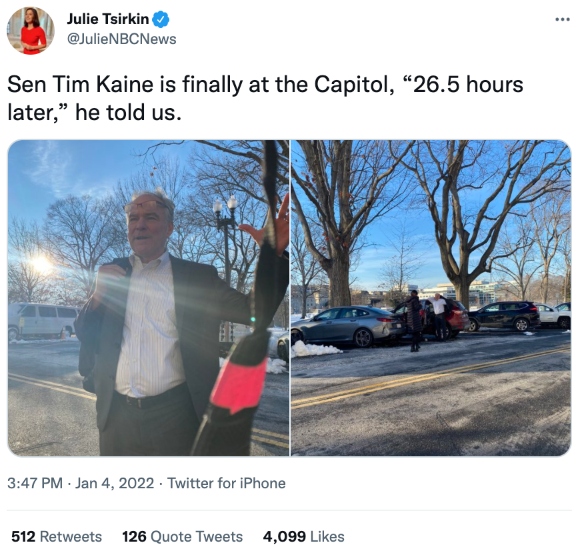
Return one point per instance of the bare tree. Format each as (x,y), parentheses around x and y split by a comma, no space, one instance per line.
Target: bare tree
(347,185)
(516,259)
(551,222)
(566,253)
(26,281)
(402,264)
(81,233)
(306,271)
(454,174)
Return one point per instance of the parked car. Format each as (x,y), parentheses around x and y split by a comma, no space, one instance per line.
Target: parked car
(283,347)
(553,316)
(456,318)
(26,320)
(519,315)
(360,325)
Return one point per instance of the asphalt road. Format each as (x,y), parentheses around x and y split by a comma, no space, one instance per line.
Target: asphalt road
(49,414)
(489,393)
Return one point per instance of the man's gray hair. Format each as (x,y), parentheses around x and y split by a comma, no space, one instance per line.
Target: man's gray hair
(160,194)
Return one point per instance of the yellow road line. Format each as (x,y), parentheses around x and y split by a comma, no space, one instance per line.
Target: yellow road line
(271,433)
(78,392)
(269,441)
(390,384)
(46,383)
(53,386)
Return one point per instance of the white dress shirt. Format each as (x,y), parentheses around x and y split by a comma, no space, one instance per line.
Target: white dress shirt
(150,361)
(438,305)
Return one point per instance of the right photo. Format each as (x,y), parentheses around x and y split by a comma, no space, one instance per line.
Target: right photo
(430,298)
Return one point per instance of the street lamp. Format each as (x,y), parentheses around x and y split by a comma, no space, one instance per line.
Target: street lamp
(224,223)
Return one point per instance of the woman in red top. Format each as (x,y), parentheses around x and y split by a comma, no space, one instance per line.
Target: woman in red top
(32,36)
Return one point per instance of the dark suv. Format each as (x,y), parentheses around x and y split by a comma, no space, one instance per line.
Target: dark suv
(516,315)
(456,318)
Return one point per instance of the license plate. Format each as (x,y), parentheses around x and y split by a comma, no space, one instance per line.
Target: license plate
(398,325)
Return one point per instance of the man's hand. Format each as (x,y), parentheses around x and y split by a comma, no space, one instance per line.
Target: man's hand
(282,228)
(107,276)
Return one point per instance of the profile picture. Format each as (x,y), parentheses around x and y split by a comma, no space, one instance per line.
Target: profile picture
(30,30)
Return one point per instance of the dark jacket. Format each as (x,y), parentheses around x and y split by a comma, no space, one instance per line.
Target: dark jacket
(202,301)
(414,321)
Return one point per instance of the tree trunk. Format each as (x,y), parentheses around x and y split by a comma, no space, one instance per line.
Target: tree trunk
(304,296)
(461,285)
(338,276)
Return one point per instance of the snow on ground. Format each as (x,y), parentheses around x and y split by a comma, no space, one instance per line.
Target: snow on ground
(300,349)
(45,340)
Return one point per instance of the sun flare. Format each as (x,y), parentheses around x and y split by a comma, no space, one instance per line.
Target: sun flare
(42,265)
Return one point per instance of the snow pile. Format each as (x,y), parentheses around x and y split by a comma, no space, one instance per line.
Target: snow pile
(274,366)
(300,349)
(567,331)
(527,333)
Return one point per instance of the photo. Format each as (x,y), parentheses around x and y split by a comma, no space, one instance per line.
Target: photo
(30,30)
(147,298)
(430,300)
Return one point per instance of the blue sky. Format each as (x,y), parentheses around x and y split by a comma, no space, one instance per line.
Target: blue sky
(39,172)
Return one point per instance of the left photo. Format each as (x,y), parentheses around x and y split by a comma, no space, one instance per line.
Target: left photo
(148,298)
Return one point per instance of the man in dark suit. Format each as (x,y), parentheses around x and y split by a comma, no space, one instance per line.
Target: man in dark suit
(150,335)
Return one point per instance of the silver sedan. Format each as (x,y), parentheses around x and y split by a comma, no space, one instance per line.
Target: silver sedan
(360,325)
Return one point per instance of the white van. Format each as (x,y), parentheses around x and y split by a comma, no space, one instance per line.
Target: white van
(27,320)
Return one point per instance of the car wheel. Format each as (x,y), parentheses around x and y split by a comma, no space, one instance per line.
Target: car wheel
(283,350)
(296,336)
(521,324)
(473,325)
(453,334)
(564,323)
(363,338)
(12,334)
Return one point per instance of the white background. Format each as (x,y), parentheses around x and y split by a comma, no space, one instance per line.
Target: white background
(410,501)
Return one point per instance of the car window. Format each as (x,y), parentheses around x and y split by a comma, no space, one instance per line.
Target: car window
(492,308)
(46,311)
(348,313)
(458,304)
(510,307)
(67,312)
(361,313)
(401,308)
(330,314)
(29,311)
(564,307)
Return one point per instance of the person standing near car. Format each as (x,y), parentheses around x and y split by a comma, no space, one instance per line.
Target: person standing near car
(414,323)
(439,304)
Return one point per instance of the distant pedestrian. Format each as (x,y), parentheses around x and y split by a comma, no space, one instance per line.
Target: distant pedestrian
(439,304)
(414,323)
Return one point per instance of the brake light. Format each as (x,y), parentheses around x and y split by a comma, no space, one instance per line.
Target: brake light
(533,308)
(385,320)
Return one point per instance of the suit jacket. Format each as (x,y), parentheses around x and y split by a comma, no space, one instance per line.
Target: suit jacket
(202,301)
